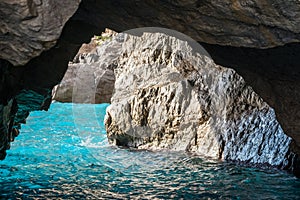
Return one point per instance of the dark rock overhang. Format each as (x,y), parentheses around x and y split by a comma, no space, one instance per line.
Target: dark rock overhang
(273,72)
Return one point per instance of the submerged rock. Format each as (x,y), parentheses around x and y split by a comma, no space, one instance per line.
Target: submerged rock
(167,96)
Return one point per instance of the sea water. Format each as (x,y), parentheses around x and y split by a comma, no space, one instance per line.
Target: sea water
(64,154)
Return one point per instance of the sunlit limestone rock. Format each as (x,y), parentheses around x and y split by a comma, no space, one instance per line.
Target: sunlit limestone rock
(85,83)
(167,96)
(87,80)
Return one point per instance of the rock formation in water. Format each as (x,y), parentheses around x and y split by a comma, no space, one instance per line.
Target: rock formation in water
(169,97)
(273,73)
(28,27)
(254,23)
(86,80)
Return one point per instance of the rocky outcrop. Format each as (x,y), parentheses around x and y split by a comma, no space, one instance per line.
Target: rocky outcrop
(15,105)
(87,80)
(32,26)
(257,24)
(273,73)
(169,97)
(85,83)
(28,27)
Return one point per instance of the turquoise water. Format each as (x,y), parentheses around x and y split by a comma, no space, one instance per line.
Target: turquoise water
(63,153)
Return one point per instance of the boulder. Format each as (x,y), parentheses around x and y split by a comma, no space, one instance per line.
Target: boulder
(169,96)
(87,80)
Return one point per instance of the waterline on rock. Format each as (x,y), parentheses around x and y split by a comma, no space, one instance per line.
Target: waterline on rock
(52,161)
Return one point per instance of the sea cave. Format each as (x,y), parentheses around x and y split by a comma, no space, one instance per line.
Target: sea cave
(149,99)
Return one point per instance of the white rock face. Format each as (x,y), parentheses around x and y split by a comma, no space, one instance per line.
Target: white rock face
(85,83)
(88,79)
(169,97)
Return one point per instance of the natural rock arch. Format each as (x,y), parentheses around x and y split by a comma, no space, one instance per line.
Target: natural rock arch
(281,92)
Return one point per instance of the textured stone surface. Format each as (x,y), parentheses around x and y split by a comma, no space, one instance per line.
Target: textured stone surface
(251,23)
(167,97)
(274,74)
(87,80)
(28,27)
(29,88)
(255,24)
(6,119)
(282,92)
(85,83)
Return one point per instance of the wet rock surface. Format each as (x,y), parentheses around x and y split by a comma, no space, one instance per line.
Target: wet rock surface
(169,97)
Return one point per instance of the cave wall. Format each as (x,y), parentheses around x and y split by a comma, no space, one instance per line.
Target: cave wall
(27,88)
(240,23)
(253,37)
(272,72)
(28,27)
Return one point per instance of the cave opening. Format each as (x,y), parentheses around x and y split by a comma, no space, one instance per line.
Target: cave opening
(81,171)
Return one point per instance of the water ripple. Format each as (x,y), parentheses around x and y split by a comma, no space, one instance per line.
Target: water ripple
(55,162)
